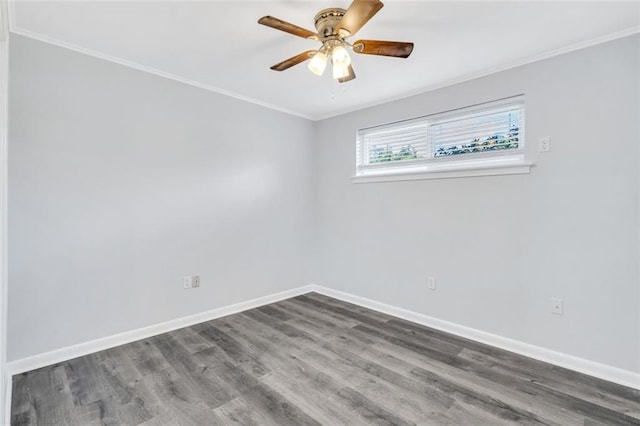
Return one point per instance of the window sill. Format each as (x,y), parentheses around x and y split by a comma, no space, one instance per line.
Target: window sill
(446,173)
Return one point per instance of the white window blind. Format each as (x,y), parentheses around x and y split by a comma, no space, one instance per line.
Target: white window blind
(481,135)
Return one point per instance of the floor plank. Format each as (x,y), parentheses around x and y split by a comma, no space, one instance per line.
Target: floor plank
(313,360)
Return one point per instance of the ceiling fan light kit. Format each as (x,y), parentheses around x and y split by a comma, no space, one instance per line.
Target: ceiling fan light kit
(333,27)
(339,71)
(318,63)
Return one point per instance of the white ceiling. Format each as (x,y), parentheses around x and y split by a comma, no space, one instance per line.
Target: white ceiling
(219,46)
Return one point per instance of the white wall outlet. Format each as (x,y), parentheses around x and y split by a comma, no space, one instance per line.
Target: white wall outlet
(544,144)
(191,281)
(557,306)
(431,283)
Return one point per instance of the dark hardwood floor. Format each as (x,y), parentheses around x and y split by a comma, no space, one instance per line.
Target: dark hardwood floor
(314,360)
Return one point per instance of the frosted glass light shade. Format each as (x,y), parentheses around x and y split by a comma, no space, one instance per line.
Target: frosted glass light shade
(340,70)
(340,55)
(318,63)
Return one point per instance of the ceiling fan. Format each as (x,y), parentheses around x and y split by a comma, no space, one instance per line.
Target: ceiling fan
(334,26)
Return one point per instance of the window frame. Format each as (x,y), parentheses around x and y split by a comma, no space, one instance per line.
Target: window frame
(494,162)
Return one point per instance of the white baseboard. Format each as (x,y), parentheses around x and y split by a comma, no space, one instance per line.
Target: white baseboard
(85,348)
(8,384)
(606,372)
(602,371)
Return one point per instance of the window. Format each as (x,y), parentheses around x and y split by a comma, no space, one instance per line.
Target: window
(485,139)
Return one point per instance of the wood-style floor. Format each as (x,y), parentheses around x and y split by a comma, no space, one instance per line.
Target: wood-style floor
(314,360)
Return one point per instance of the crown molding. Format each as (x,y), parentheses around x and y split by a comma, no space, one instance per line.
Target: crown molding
(5,19)
(493,70)
(13,28)
(11,14)
(120,61)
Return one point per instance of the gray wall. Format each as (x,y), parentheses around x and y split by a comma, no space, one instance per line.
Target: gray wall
(122,182)
(501,247)
(4,113)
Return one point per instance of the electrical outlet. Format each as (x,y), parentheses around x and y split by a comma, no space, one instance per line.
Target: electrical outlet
(431,283)
(191,281)
(557,306)
(544,144)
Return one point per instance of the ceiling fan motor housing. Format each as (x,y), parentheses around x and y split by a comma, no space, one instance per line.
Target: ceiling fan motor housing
(334,26)
(327,20)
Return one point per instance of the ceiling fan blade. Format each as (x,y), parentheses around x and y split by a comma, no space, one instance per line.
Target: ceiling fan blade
(287,27)
(294,60)
(398,49)
(349,77)
(357,15)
